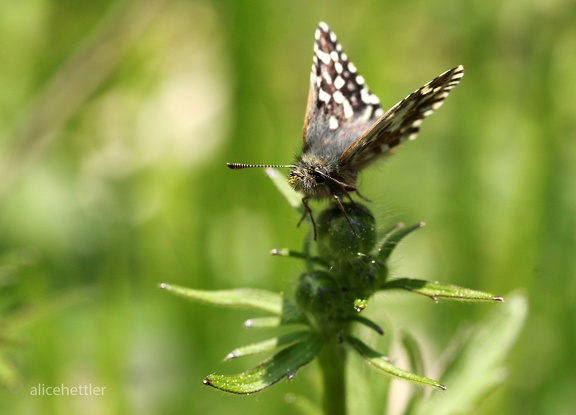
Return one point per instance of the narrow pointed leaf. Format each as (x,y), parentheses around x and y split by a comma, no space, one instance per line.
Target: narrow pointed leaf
(267,345)
(413,351)
(386,234)
(279,180)
(291,314)
(381,362)
(416,364)
(436,290)
(241,297)
(263,322)
(368,323)
(394,239)
(283,364)
(285,252)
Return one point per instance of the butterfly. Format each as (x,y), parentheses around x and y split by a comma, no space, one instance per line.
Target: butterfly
(345,129)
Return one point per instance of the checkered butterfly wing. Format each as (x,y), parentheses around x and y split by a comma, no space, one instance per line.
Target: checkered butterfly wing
(340,105)
(401,122)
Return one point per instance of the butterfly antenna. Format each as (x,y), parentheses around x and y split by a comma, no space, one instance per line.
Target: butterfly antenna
(238,166)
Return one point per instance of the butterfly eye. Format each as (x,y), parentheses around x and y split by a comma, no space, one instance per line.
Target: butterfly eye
(319,176)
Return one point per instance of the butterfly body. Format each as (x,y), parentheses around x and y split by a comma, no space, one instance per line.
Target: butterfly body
(345,129)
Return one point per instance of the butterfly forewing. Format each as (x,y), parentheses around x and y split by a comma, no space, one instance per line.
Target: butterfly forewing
(339,102)
(401,122)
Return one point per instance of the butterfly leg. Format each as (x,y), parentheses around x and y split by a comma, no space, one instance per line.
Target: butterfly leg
(354,203)
(307,211)
(341,207)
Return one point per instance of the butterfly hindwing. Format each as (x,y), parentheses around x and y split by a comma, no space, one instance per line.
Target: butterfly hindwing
(401,122)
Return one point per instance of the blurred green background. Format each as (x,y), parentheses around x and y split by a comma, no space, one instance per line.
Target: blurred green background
(117,118)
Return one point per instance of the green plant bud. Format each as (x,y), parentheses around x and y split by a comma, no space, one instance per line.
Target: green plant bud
(364,275)
(345,236)
(317,292)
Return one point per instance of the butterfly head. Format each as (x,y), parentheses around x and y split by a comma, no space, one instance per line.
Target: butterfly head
(317,179)
(308,180)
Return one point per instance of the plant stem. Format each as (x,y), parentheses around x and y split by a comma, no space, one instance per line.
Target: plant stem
(332,359)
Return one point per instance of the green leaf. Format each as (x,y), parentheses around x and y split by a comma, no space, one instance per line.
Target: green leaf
(241,297)
(368,323)
(285,252)
(268,345)
(480,364)
(436,290)
(283,364)
(393,238)
(375,359)
(291,314)
(383,237)
(416,364)
(263,322)
(413,352)
(279,180)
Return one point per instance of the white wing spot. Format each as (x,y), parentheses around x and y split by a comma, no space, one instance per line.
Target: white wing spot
(339,82)
(334,56)
(338,67)
(323,96)
(425,90)
(327,78)
(378,113)
(348,111)
(359,79)
(333,37)
(365,96)
(323,56)
(367,113)
(333,123)
(338,97)
(351,67)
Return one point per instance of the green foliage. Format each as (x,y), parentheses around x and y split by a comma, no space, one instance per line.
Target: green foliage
(117,119)
(346,272)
